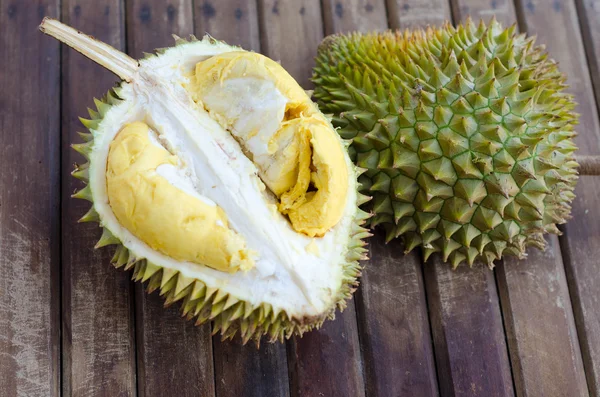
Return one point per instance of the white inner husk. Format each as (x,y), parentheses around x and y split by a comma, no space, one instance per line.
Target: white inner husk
(290,274)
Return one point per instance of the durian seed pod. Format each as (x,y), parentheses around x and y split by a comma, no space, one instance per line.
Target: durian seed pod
(466,135)
(222,185)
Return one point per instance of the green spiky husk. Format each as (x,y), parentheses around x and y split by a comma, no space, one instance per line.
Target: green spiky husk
(466,135)
(229,315)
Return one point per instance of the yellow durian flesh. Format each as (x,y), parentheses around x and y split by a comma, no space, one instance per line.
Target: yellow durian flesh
(165,217)
(292,144)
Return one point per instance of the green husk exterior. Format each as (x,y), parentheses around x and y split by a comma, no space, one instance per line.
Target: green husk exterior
(229,316)
(465,134)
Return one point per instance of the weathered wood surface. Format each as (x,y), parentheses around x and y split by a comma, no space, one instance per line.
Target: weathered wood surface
(538,313)
(29,203)
(72,325)
(394,325)
(163,338)
(589,15)
(581,250)
(502,10)
(467,331)
(354,15)
(417,13)
(235,21)
(582,235)
(98,314)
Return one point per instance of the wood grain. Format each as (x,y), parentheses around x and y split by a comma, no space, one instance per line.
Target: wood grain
(542,338)
(29,202)
(341,16)
(290,32)
(557,27)
(394,324)
(467,330)
(407,14)
(326,361)
(98,323)
(151,24)
(173,354)
(581,252)
(589,17)
(502,10)
(250,372)
(539,323)
(235,21)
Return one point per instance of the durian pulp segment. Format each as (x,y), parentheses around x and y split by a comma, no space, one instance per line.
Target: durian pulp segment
(292,271)
(289,140)
(143,190)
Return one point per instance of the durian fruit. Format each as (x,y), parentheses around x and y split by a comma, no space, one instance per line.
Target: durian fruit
(223,185)
(466,135)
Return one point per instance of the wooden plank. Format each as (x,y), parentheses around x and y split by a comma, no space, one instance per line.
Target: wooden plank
(582,234)
(354,15)
(581,252)
(406,14)
(557,26)
(542,337)
(467,330)
(29,202)
(327,362)
(589,15)
(246,371)
(502,10)
(394,324)
(152,24)
(173,354)
(464,308)
(391,308)
(291,32)
(98,324)
(235,21)
(164,339)
(539,323)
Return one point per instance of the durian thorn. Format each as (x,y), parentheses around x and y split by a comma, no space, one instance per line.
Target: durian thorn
(112,59)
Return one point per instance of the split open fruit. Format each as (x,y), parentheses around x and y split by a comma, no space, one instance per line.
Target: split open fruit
(221,183)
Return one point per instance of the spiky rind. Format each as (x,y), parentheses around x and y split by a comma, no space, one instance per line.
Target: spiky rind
(465,133)
(228,314)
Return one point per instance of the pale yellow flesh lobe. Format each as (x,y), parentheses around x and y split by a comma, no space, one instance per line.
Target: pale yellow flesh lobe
(303,160)
(166,218)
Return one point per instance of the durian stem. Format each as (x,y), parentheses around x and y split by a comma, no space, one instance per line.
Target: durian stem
(588,165)
(112,59)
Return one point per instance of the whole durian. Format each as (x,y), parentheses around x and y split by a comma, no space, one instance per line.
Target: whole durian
(222,185)
(465,134)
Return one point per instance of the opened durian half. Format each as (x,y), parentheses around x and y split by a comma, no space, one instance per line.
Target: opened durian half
(223,185)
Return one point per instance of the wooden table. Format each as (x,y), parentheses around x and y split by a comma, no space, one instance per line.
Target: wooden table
(70,324)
